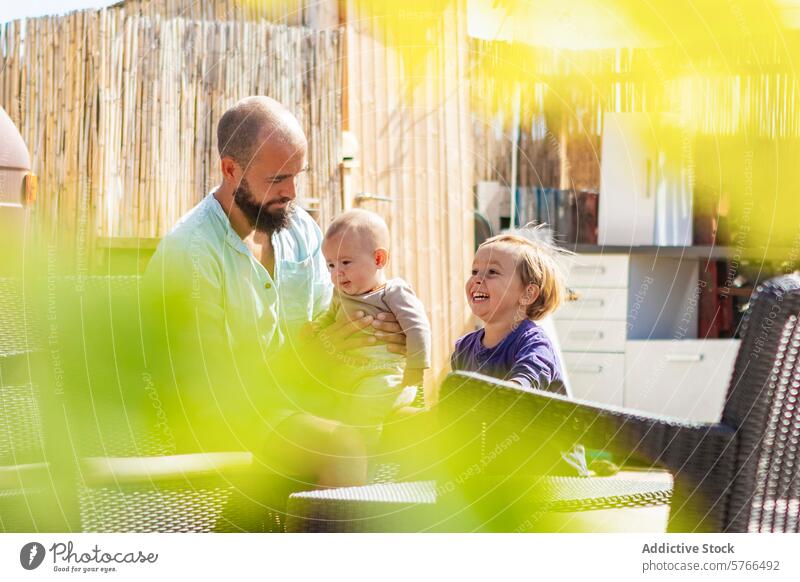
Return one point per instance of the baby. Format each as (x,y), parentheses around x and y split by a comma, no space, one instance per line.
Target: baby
(514,282)
(356,248)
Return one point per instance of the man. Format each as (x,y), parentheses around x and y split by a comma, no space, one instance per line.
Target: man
(232,284)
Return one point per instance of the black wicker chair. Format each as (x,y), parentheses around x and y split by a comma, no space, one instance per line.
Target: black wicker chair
(30,499)
(739,475)
(82,431)
(497,440)
(82,421)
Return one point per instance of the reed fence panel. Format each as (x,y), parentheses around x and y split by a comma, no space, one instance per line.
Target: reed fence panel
(120,110)
(408,106)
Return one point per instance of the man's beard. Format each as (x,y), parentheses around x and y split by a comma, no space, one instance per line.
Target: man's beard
(260,217)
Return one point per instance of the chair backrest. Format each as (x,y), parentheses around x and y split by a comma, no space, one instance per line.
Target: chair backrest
(763,405)
(20,422)
(94,376)
(115,387)
(111,394)
(33,495)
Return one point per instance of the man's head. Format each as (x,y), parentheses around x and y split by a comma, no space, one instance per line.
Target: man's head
(356,249)
(262,150)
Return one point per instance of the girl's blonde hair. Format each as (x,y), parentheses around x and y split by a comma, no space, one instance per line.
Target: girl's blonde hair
(536,265)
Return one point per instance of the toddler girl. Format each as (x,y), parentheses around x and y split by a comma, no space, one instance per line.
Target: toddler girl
(514,282)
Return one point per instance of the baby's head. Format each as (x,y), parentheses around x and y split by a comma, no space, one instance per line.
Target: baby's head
(513,278)
(356,249)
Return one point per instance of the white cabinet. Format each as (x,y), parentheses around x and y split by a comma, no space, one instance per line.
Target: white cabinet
(592,329)
(591,335)
(645,182)
(596,271)
(683,378)
(627,201)
(596,377)
(594,303)
(628,339)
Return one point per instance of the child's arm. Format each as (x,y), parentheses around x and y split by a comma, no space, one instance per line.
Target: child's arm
(455,357)
(535,364)
(410,314)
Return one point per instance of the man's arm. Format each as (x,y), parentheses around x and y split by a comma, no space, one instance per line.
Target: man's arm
(217,392)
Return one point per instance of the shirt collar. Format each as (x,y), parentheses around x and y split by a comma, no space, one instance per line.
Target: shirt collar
(231,236)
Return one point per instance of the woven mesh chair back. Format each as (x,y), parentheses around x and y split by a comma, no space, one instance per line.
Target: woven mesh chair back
(115,394)
(31,496)
(762,404)
(20,421)
(94,371)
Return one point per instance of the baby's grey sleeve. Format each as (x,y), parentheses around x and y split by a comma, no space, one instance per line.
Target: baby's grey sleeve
(410,314)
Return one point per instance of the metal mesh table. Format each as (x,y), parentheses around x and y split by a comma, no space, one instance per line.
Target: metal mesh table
(637,500)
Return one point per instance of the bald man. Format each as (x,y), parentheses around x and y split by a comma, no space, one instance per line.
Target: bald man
(232,283)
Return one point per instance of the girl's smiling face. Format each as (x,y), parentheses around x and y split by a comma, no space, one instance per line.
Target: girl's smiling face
(495,291)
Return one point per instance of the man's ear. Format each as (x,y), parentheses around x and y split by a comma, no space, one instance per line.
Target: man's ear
(229,169)
(381,258)
(530,296)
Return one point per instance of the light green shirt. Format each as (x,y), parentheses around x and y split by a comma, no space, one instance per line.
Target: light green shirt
(204,257)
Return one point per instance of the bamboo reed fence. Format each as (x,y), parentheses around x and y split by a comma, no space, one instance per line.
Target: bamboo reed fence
(565,93)
(412,121)
(289,12)
(120,110)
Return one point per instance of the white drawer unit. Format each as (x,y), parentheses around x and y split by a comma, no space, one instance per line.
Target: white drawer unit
(687,379)
(591,336)
(596,377)
(613,337)
(596,270)
(592,329)
(595,303)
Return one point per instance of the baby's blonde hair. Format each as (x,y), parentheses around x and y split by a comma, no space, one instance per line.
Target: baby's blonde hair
(536,265)
(368,226)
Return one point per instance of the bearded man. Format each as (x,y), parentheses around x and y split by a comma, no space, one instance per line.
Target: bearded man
(229,288)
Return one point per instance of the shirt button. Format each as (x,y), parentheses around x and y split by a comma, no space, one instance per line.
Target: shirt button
(267,285)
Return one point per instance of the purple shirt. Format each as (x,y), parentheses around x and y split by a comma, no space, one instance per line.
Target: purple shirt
(525,356)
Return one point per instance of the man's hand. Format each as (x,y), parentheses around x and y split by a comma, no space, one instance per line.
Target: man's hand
(390,332)
(348,335)
(345,335)
(323,349)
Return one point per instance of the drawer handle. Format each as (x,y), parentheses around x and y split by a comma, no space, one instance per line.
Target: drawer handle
(587,369)
(588,269)
(586,335)
(684,358)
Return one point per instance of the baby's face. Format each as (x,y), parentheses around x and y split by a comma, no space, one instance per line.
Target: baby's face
(495,289)
(353,266)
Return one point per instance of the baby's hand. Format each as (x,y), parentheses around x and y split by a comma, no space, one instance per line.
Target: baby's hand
(413,377)
(308,331)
